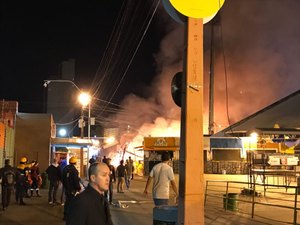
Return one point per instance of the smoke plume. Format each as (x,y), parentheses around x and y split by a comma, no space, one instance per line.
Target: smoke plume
(256,43)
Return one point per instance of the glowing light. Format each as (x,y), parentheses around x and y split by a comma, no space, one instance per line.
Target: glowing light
(254,135)
(95,142)
(84,99)
(110,140)
(62,132)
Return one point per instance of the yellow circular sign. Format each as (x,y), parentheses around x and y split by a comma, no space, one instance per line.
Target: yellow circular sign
(197,8)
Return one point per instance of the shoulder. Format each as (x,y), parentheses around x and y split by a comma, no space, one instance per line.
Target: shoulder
(170,168)
(82,200)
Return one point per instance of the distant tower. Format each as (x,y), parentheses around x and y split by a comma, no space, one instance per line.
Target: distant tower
(61,98)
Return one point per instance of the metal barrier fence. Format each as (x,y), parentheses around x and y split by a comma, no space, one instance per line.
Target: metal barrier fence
(238,196)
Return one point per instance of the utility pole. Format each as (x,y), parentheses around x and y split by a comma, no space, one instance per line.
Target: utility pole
(191,179)
(211,82)
(81,136)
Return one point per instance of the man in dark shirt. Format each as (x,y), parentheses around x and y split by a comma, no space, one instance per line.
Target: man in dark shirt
(71,183)
(7,174)
(91,207)
(53,176)
(121,174)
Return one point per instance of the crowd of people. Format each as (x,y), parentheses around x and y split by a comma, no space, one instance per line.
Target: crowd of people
(25,180)
(89,204)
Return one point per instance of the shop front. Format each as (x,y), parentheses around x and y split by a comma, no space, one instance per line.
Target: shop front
(62,149)
(153,148)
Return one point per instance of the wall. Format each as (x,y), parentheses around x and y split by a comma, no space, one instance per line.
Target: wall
(32,138)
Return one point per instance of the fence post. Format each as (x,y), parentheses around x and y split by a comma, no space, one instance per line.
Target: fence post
(226,200)
(295,205)
(205,192)
(253,200)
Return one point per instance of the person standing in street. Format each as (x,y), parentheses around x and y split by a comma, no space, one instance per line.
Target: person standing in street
(112,180)
(71,183)
(53,173)
(131,162)
(21,181)
(61,166)
(129,170)
(7,175)
(35,177)
(91,207)
(162,175)
(121,174)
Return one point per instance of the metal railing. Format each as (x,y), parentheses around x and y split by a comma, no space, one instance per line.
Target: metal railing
(255,194)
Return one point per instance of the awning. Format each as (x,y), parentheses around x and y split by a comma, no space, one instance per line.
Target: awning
(284,131)
(69,142)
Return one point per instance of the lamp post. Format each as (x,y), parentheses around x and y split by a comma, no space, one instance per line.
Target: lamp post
(85,100)
(47,82)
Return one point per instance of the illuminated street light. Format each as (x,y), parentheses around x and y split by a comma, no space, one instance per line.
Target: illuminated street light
(84,98)
(62,132)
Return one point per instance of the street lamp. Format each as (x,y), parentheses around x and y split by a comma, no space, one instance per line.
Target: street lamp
(47,82)
(85,100)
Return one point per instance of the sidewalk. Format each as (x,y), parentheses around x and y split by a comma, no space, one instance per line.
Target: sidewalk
(37,211)
(132,208)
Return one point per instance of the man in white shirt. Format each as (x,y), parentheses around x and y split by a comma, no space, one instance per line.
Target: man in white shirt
(162,176)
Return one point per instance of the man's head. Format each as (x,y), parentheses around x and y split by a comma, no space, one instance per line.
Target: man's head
(6,162)
(108,161)
(165,157)
(99,174)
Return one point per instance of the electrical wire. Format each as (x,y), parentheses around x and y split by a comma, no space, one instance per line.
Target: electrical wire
(135,51)
(119,40)
(226,77)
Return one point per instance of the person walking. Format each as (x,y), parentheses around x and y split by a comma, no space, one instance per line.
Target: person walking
(121,174)
(112,180)
(53,173)
(162,175)
(7,174)
(131,162)
(129,170)
(91,207)
(71,183)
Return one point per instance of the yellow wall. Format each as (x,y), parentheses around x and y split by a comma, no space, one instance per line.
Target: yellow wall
(161,143)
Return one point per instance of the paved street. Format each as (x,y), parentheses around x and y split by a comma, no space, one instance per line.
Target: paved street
(135,209)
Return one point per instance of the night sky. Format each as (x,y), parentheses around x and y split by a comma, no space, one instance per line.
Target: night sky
(257,41)
(37,36)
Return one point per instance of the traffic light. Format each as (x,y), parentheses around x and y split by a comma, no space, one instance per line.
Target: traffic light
(176,88)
